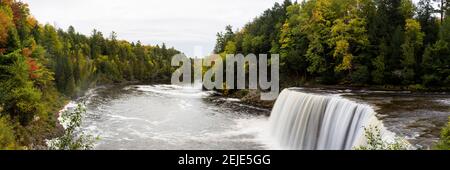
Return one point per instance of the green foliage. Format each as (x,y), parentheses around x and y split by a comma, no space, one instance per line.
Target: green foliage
(73,138)
(360,42)
(435,64)
(7,137)
(428,22)
(363,42)
(375,141)
(223,38)
(41,65)
(444,142)
(413,41)
(379,65)
(19,98)
(361,75)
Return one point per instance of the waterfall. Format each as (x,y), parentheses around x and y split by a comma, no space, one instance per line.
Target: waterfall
(303,121)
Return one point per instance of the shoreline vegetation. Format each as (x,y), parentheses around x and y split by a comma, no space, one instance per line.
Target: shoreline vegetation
(42,67)
(389,45)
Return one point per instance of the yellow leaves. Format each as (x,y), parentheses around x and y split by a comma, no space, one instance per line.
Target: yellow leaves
(348,37)
(230,48)
(31,21)
(339,27)
(5,23)
(322,11)
(317,16)
(285,37)
(412,25)
(341,48)
(27,52)
(346,63)
(7,138)
(413,32)
(6,2)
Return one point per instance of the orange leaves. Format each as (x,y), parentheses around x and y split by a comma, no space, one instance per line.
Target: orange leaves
(27,52)
(33,68)
(6,2)
(33,65)
(20,11)
(31,21)
(4,27)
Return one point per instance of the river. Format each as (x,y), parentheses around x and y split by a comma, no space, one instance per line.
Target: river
(172,117)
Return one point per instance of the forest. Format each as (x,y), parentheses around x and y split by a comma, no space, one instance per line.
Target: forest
(391,44)
(42,66)
(384,43)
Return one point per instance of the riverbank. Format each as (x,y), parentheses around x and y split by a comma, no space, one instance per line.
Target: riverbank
(42,130)
(418,116)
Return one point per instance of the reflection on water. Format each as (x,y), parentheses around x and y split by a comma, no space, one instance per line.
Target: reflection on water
(171,117)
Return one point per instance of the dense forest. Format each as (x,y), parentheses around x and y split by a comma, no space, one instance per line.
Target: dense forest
(42,66)
(384,43)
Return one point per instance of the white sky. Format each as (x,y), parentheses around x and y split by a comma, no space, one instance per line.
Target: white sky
(188,25)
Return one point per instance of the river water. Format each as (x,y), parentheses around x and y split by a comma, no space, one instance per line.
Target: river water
(416,117)
(173,117)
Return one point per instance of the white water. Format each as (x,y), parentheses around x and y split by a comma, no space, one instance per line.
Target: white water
(175,117)
(317,122)
(171,117)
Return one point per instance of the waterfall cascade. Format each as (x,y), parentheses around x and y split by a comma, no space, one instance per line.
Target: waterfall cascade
(303,121)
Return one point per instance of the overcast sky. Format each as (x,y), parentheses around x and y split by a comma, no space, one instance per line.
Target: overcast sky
(188,25)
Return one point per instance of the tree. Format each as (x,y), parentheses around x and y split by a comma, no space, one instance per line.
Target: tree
(223,38)
(427,21)
(13,41)
(20,99)
(73,138)
(41,66)
(408,9)
(378,63)
(5,25)
(317,29)
(444,31)
(96,43)
(443,9)
(375,141)
(413,40)
(349,37)
(7,137)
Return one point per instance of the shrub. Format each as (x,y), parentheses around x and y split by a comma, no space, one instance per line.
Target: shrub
(444,142)
(376,142)
(7,138)
(73,138)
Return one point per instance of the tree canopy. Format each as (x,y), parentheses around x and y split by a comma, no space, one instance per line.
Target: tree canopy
(351,42)
(41,66)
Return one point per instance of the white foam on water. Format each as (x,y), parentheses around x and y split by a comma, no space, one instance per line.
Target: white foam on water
(67,108)
(444,101)
(303,121)
(174,90)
